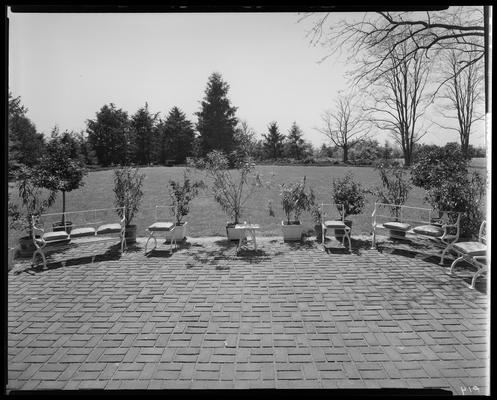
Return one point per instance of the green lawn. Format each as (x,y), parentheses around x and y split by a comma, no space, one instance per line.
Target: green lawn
(206,218)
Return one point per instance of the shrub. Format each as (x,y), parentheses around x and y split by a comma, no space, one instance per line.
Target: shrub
(395,186)
(231,191)
(294,200)
(350,194)
(444,174)
(461,193)
(128,192)
(32,201)
(182,194)
(435,165)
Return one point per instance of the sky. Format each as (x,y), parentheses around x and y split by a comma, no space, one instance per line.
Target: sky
(66,67)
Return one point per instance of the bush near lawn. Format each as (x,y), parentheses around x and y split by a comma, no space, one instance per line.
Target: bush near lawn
(206,218)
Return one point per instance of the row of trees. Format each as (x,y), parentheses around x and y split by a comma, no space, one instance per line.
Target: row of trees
(405,61)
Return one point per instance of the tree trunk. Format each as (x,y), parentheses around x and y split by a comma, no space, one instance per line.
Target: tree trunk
(345,154)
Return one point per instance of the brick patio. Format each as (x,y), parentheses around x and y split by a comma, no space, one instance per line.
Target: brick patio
(289,316)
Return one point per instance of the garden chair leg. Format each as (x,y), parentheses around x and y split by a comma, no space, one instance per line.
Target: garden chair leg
(148,240)
(454,264)
(40,252)
(447,248)
(476,275)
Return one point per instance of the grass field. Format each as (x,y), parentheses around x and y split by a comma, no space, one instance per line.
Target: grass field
(206,218)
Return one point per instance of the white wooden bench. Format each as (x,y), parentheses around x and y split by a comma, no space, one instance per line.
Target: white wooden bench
(406,222)
(87,227)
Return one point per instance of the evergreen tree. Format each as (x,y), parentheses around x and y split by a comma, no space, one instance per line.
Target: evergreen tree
(273,141)
(26,145)
(109,135)
(295,142)
(216,119)
(145,136)
(177,137)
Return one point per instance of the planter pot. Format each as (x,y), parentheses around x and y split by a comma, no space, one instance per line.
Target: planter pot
(26,247)
(340,232)
(179,233)
(232,233)
(130,234)
(58,227)
(319,232)
(292,232)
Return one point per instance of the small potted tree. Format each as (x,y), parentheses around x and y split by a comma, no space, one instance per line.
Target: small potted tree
(231,188)
(32,203)
(128,192)
(181,194)
(315,211)
(294,200)
(61,169)
(394,190)
(351,195)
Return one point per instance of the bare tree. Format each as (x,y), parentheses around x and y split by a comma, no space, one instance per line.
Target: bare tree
(344,126)
(463,92)
(398,99)
(423,34)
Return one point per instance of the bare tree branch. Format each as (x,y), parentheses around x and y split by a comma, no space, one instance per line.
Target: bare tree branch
(423,34)
(343,126)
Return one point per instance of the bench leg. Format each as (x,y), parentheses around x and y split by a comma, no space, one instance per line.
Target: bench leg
(350,246)
(454,264)
(447,248)
(476,275)
(148,240)
(42,255)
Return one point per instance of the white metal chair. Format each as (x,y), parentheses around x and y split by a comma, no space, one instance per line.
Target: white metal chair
(332,218)
(475,253)
(161,226)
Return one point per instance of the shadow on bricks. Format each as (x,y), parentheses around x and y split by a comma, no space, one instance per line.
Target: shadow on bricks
(112,254)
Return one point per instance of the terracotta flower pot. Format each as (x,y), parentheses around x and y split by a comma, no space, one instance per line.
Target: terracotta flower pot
(179,233)
(130,234)
(231,232)
(293,231)
(26,246)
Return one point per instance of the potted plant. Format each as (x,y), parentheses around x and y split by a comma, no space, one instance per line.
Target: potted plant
(128,184)
(33,203)
(394,190)
(315,211)
(61,169)
(294,200)
(351,195)
(181,195)
(231,188)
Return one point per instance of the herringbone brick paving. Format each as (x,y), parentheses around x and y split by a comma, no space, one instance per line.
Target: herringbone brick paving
(288,316)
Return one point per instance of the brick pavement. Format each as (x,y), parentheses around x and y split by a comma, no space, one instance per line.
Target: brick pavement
(289,316)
